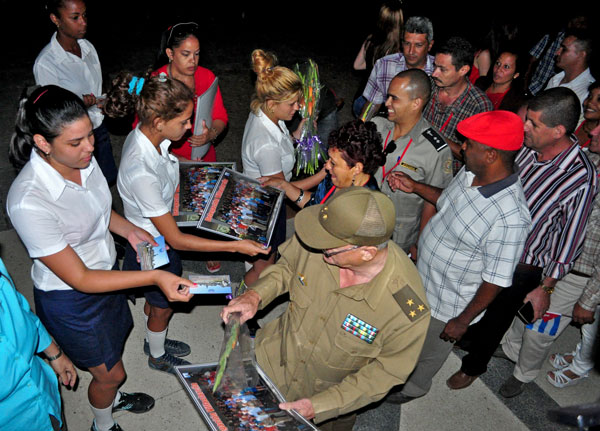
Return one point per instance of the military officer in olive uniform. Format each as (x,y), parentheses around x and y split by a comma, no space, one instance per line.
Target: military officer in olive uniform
(414,147)
(357,316)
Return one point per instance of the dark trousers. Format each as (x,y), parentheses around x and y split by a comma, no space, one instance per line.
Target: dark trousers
(483,337)
(104,155)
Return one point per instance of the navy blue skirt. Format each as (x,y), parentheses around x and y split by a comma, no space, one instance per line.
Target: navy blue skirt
(90,328)
(153,294)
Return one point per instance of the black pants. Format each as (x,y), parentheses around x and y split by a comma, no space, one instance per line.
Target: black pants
(483,337)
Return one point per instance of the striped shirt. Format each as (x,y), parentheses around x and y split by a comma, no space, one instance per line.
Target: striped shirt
(384,71)
(559,194)
(477,235)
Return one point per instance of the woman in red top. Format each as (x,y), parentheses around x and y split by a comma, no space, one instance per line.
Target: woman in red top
(591,115)
(181,46)
(502,87)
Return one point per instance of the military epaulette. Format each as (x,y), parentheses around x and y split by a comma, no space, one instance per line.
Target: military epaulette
(410,303)
(437,140)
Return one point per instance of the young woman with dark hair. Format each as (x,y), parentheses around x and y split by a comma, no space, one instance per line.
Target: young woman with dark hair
(60,205)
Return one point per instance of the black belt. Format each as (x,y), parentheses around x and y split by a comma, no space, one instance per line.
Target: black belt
(581,274)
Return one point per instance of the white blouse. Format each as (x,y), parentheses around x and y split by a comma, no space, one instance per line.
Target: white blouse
(50,213)
(266,148)
(147,180)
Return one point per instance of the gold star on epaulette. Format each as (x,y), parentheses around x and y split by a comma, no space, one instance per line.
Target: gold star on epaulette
(408,300)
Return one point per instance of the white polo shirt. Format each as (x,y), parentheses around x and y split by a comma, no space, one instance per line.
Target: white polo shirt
(266,148)
(50,213)
(147,180)
(54,65)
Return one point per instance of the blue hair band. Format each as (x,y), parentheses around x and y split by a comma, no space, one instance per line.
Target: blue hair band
(132,84)
(139,86)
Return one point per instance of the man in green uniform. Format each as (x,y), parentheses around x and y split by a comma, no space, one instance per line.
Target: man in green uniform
(414,147)
(357,316)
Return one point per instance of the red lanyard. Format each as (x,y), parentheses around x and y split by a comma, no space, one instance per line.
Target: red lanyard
(385,174)
(586,143)
(331,190)
(452,109)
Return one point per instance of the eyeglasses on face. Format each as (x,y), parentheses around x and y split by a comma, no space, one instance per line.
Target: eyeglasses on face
(328,253)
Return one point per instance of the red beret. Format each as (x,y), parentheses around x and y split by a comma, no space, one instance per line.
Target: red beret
(497,129)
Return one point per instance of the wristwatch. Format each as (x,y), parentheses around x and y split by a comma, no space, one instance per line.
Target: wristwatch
(548,289)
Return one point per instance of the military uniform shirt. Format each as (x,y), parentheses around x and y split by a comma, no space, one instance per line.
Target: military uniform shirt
(311,351)
(427,160)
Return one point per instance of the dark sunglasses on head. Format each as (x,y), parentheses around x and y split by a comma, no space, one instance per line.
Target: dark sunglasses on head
(181,28)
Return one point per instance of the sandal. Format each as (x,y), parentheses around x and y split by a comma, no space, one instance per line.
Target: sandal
(558,360)
(213,266)
(561,380)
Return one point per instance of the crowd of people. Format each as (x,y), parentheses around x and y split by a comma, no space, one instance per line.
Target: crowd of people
(457,210)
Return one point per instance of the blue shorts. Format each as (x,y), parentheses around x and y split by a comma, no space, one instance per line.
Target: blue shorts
(153,294)
(90,328)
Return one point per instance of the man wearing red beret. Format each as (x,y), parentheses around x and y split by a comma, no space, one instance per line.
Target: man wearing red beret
(469,250)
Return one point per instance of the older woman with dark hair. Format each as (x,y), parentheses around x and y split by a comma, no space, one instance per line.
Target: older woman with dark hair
(355,154)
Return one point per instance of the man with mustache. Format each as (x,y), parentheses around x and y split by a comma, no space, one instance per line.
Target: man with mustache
(454,98)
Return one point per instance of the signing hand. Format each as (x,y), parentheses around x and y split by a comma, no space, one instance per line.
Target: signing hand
(251,248)
(246,305)
(303,406)
(63,367)
(401,181)
(175,288)
(581,315)
(540,301)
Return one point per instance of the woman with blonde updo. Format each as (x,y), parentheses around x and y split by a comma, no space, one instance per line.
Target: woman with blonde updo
(267,146)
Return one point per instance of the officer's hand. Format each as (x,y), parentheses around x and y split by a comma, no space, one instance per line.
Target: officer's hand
(581,315)
(246,305)
(454,330)
(303,406)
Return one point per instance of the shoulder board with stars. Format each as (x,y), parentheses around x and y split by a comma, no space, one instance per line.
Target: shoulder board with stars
(410,303)
(438,142)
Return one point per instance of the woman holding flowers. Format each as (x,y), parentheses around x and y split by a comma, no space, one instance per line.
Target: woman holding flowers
(267,146)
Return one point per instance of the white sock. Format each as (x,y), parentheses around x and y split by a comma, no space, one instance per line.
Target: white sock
(156,341)
(146,320)
(103,418)
(117,398)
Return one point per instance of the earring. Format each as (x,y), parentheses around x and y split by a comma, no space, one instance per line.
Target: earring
(353,179)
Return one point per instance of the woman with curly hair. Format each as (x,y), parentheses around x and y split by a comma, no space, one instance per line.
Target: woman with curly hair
(355,154)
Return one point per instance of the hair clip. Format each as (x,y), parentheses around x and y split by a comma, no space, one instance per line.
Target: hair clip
(162,77)
(40,95)
(139,86)
(132,83)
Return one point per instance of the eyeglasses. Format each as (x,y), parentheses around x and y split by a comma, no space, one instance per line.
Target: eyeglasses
(181,29)
(333,253)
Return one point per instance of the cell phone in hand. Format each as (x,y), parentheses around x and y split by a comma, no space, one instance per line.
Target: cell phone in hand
(525,313)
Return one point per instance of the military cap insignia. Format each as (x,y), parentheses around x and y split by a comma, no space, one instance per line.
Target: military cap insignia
(410,303)
(438,142)
(359,328)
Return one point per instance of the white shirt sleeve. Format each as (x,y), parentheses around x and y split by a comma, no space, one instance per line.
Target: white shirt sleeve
(268,159)
(39,229)
(147,194)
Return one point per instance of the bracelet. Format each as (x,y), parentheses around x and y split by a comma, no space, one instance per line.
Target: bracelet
(548,289)
(300,197)
(55,357)
(214,129)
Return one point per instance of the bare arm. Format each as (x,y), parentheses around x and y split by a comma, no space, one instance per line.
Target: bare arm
(455,328)
(182,241)
(401,181)
(67,266)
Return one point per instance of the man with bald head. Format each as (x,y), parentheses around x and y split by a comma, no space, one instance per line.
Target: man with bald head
(414,147)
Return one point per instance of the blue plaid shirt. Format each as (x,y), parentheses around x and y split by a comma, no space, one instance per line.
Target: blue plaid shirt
(545,68)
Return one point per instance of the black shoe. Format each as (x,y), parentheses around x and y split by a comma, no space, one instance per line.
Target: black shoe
(395,396)
(512,387)
(166,363)
(172,347)
(499,353)
(115,427)
(137,402)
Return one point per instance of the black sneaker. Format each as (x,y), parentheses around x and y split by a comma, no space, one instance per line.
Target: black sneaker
(172,347)
(115,427)
(138,402)
(166,363)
